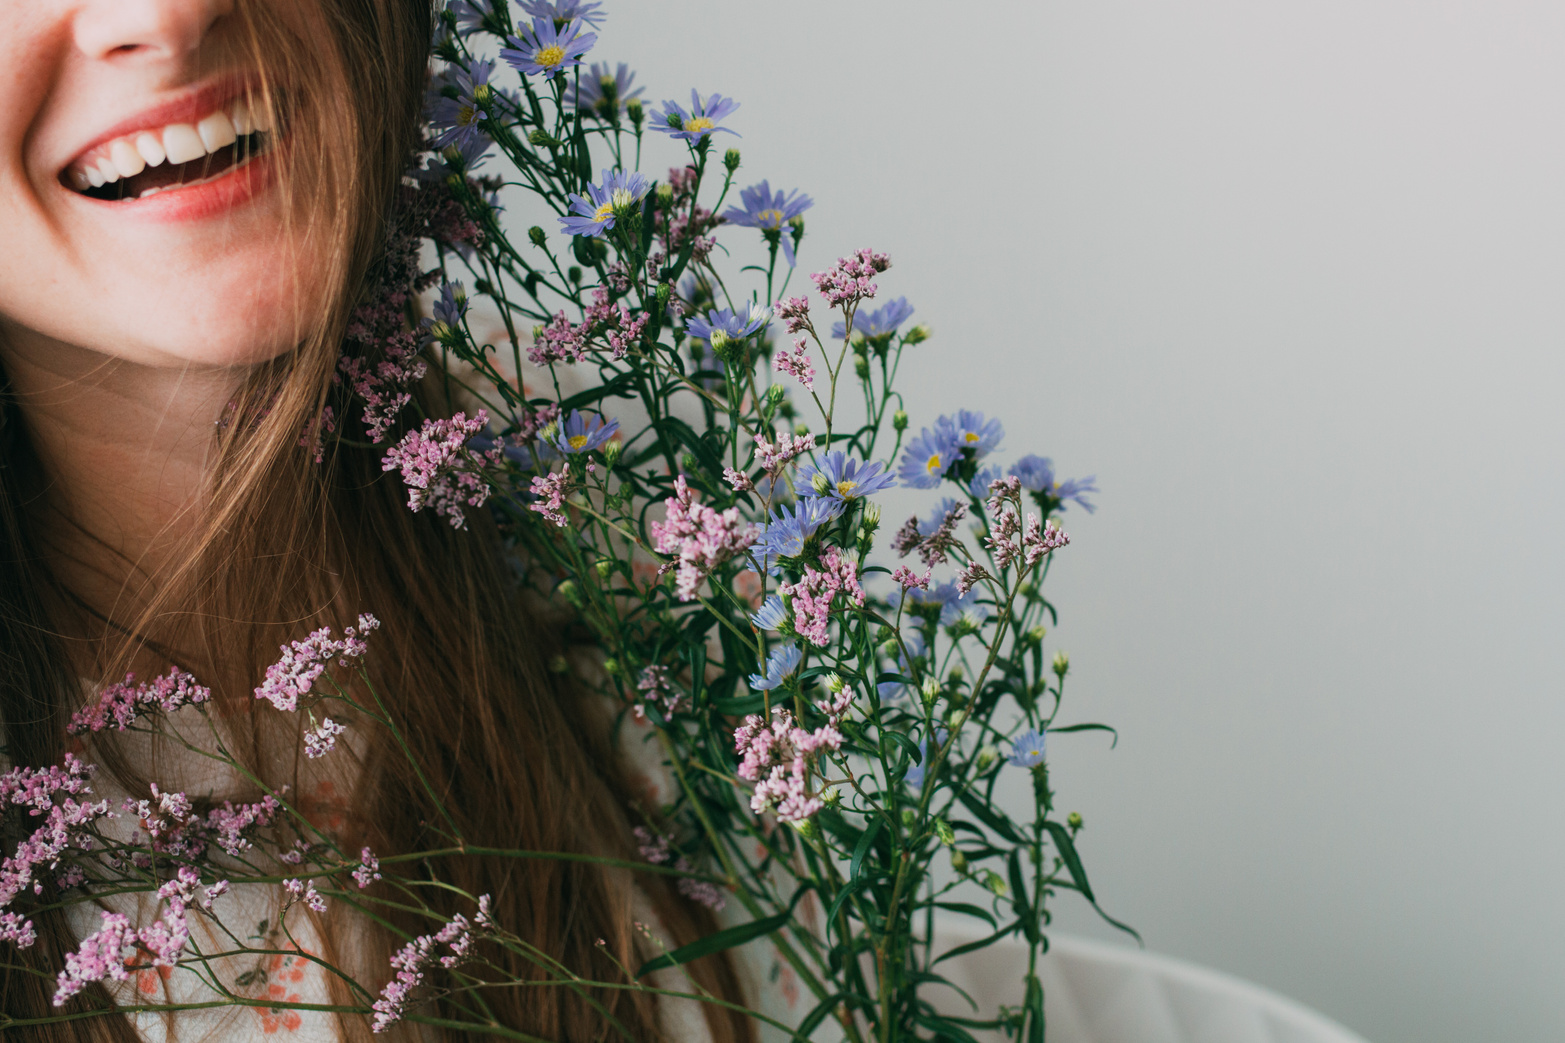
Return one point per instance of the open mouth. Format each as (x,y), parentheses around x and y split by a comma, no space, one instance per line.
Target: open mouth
(179,155)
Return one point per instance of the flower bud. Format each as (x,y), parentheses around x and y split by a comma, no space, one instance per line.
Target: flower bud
(1062,665)
(821,484)
(918,334)
(570,592)
(958,861)
(634,110)
(988,754)
(994,883)
(611,667)
(443,333)
(871,516)
(832,797)
(861,367)
(1027,588)
(540,138)
(605,567)
(806,828)
(931,690)
(1035,635)
(547,432)
(944,833)
(909,818)
(665,194)
(800,430)
(835,683)
(663,293)
(674,121)
(775,393)
(899,421)
(611,451)
(731,160)
(573,273)
(1073,820)
(688,462)
(537,235)
(726,348)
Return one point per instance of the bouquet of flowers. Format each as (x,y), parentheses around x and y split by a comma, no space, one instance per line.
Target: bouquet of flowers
(688,462)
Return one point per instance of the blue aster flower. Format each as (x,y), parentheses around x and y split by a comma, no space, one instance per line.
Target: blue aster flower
(1027,749)
(783,661)
(930,522)
(700,122)
(1037,476)
(583,434)
(724,324)
(973,432)
(979,486)
(915,773)
(456,121)
(452,304)
(882,322)
(457,158)
(789,527)
(548,47)
(771,614)
(619,194)
(841,477)
(562,11)
(769,211)
(929,456)
(604,94)
(474,15)
(967,610)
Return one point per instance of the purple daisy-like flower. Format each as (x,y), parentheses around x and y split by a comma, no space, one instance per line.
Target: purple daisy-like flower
(604,94)
(1037,476)
(562,11)
(724,321)
(973,432)
(1028,748)
(882,322)
(782,662)
(771,614)
(789,527)
(964,609)
(979,486)
(456,121)
(929,456)
(583,434)
(700,122)
(474,15)
(769,211)
(619,194)
(548,47)
(841,477)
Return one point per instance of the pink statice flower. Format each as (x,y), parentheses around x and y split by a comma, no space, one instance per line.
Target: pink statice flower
(811,598)
(549,493)
(971,575)
(774,456)
(798,364)
(907,579)
(699,538)
(100,956)
(657,690)
(738,479)
(322,740)
(1042,539)
(776,757)
(441,470)
(303,890)
(368,870)
(848,281)
(16,930)
(120,704)
(415,959)
(68,823)
(795,313)
(294,675)
(651,846)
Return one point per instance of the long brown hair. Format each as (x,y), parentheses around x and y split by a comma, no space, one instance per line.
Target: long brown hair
(282,544)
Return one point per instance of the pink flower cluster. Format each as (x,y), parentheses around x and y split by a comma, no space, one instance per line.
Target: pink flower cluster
(101,955)
(48,793)
(368,870)
(795,313)
(700,538)
(656,690)
(534,420)
(798,364)
(811,598)
(549,491)
(417,957)
(322,740)
(848,280)
(563,341)
(654,848)
(774,456)
(294,675)
(970,576)
(315,432)
(738,479)
(301,889)
(439,469)
(174,829)
(1036,538)
(682,223)
(907,578)
(776,758)
(120,704)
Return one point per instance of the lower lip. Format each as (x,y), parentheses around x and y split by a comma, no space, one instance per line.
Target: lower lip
(233,189)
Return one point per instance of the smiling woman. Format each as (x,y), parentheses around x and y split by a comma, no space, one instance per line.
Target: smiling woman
(194,192)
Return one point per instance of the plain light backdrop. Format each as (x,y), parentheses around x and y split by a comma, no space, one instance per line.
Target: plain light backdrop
(1287,278)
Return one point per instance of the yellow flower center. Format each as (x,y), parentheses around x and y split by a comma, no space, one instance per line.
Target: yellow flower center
(696,124)
(845,488)
(466,116)
(577,441)
(604,212)
(934,466)
(770,218)
(550,56)
(972,437)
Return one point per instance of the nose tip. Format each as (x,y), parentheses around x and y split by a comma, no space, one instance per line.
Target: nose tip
(154,29)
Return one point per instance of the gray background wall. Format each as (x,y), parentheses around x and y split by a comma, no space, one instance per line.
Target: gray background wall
(1286,277)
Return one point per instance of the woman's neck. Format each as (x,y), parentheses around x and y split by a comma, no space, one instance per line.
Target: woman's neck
(125,449)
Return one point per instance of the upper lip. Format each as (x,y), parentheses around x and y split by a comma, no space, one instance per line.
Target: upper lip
(189,106)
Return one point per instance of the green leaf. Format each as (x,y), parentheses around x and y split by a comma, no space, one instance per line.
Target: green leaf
(854,886)
(724,940)
(982,943)
(947,1028)
(1019,899)
(1088,728)
(861,849)
(965,909)
(612,389)
(740,704)
(1034,1007)
(812,1020)
(906,743)
(989,818)
(1062,840)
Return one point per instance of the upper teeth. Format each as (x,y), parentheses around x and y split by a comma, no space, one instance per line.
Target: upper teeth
(176,143)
